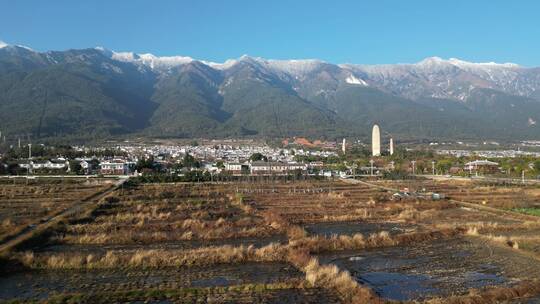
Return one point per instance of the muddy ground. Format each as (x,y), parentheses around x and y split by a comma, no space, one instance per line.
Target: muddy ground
(40,284)
(435,269)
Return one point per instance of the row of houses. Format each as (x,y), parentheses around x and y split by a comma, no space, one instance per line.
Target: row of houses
(52,164)
(87,166)
(268,168)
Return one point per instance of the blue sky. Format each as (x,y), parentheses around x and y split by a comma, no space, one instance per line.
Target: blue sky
(335,31)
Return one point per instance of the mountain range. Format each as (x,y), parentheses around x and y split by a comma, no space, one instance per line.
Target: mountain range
(96,93)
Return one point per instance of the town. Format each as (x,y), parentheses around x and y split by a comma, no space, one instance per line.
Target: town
(229,158)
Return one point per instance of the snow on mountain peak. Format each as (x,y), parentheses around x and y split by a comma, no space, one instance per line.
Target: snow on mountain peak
(432,61)
(5,45)
(221,66)
(163,62)
(150,60)
(295,66)
(462,63)
(105,51)
(353,80)
(125,56)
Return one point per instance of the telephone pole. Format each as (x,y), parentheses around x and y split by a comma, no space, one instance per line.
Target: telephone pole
(29,157)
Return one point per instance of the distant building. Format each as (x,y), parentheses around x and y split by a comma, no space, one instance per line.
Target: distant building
(114,167)
(233,168)
(483,166)
(267,168)
(391,146)
(316,165)
(53,164)
(58,164)
(376,141)
(86,165)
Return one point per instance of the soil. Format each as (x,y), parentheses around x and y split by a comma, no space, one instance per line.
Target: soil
(42,284)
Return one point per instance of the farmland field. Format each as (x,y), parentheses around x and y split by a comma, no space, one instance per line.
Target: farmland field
(278,242)
(24,203)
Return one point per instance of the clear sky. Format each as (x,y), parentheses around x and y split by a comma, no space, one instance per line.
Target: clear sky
(377,31)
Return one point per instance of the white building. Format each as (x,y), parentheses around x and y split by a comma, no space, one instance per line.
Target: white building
(262,168)
(114,167)
(54,164)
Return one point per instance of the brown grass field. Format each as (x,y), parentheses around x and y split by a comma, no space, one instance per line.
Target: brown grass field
(25,203)
(275,242)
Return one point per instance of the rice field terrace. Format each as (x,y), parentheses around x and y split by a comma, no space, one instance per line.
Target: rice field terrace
(284,242)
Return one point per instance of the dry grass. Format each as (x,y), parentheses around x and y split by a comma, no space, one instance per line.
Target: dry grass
(157,258)
(26,204)
(359,214)
(330,277)
(500,239)
(276,221)
(153,213)
(319,244)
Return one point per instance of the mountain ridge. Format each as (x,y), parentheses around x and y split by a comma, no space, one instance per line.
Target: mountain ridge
(98,93)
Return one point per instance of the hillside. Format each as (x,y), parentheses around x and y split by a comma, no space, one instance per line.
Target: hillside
(96,93)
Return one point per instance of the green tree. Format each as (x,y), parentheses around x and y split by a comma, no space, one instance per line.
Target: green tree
(3,169)
(75,167)
(258,157)
(444,165)
(537,166)
(220,164)
(190,162)
(145,163)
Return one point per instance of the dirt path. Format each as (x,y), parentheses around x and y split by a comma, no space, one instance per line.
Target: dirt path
(79,206)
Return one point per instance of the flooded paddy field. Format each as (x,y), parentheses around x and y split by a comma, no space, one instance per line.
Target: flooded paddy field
(40,284)
(350,228)
(437,269)
(256,242)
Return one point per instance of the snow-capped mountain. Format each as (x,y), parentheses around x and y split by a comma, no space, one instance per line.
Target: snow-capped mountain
(453,78)
(99,90)
(432,77)
(153,62)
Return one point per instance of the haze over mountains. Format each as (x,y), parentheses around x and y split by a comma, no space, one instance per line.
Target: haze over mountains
(96,93)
